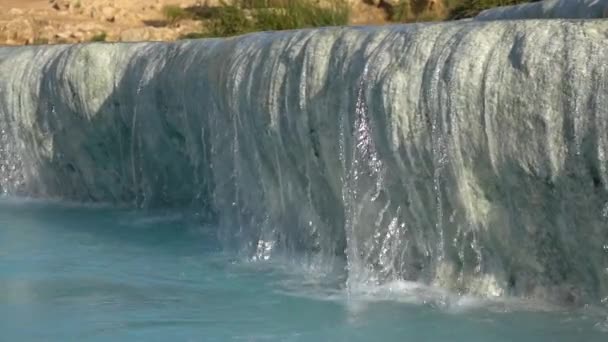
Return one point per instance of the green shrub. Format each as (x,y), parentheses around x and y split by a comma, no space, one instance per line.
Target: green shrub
(174,13)
(194,35)
(301,14)
(100,37)
(40,41)
(231,20)
(459,9)
(426,16)
(401,12)
(415,11)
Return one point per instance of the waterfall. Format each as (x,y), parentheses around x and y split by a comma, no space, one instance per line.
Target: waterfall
(469,155)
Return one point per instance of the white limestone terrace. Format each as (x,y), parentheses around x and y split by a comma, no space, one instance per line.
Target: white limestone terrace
(549,9)
(471,155)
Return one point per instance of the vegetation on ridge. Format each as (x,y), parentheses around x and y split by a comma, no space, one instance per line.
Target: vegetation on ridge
(242,16)
(459,9)
(236,17)
(100,37)
(78,21)
(173,13)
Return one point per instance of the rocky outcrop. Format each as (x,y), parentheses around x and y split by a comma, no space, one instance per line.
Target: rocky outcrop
(74,21)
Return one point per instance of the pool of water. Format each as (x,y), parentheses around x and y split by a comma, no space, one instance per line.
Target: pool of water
(70,273)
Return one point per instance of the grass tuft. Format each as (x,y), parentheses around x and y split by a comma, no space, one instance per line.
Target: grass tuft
(100,37)
(407,11)
(40,41)
(301,14)
(459,9)
(174,13)
(230,20)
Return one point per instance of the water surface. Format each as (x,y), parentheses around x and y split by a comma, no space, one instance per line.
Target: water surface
(70,273)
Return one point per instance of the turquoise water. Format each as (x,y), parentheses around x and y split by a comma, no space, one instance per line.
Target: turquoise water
(69,273)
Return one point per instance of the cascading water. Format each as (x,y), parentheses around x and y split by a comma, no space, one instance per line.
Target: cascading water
(469,155)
